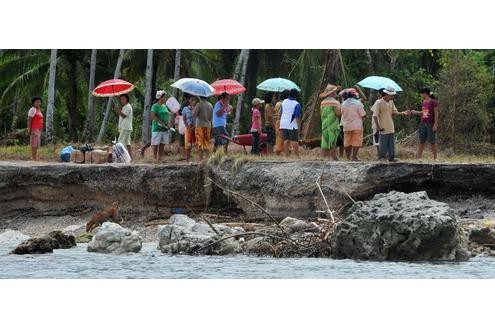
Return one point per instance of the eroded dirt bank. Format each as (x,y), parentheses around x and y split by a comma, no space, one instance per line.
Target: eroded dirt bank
(290,189)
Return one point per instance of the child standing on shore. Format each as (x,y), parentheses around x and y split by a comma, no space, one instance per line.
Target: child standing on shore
(256,125)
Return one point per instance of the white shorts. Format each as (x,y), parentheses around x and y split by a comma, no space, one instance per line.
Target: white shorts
(162,137)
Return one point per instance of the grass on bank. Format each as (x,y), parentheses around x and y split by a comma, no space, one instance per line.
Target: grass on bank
(49,153)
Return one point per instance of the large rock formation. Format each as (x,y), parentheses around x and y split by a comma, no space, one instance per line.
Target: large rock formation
(287,188)
(112,238)
(184,235)
(399,226)
(46,244)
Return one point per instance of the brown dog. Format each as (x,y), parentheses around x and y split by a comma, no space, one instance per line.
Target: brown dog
(110,213)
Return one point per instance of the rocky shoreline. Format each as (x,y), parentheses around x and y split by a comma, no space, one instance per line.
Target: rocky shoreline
(268,208)
(392,226)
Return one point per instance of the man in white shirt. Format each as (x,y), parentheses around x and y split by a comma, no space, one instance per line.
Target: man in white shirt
(125,121)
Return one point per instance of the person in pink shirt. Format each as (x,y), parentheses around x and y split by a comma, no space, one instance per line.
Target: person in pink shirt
(256,125)
(352,111)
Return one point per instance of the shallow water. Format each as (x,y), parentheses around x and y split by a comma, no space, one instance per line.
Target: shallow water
(151,263)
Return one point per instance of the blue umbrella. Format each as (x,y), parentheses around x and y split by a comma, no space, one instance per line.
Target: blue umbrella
(277,84)
(195,87)
(378,82)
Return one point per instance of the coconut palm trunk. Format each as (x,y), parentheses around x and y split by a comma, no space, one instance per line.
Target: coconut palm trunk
(147,98)
(51,96)
(176,70)
(116,75)
(243,58)
(90,123)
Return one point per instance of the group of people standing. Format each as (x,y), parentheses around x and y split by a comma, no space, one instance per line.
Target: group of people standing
(342,115)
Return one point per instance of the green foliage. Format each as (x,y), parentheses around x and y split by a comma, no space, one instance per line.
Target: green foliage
(465,89)
(24,73)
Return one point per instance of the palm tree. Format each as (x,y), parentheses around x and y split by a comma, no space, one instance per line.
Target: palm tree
(243,58)
(51,96)
(176,69)
(116,75)
(147,98)
(90,122)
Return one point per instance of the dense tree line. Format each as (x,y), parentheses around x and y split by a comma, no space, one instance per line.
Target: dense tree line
(462,80)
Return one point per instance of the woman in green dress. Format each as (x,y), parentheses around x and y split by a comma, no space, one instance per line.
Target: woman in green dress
(330,115)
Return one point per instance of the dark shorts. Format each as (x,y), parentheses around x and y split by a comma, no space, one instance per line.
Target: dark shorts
(291,135)
(270,135)
(217,132)
(340,139)
(426,133)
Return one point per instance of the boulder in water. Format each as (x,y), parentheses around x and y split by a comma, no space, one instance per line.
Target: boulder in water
(184,235)
(35,246)
(400,226)
(46,244)
(112,238)
(64,241)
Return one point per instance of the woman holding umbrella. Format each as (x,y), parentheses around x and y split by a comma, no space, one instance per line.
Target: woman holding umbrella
(125,121)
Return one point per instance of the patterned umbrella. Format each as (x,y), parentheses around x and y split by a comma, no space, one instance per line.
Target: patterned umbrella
(277,84)
(112,88)
(232,87)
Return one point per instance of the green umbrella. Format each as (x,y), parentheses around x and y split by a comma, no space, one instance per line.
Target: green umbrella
(277,84)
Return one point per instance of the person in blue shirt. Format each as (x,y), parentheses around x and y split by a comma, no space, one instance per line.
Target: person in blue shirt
(220,111)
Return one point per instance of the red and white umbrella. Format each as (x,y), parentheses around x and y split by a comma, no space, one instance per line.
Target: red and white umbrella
(110,88)
(232,87)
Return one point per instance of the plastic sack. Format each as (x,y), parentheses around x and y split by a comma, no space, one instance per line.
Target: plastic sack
(65,153)
(120,153)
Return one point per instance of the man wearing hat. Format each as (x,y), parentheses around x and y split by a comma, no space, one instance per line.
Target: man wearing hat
(159,126)
(382,116)
(256,125)
(330,117)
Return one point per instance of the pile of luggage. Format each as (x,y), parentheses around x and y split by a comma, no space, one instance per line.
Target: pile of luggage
(87,154)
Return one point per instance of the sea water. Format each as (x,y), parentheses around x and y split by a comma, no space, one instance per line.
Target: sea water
(151,263)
